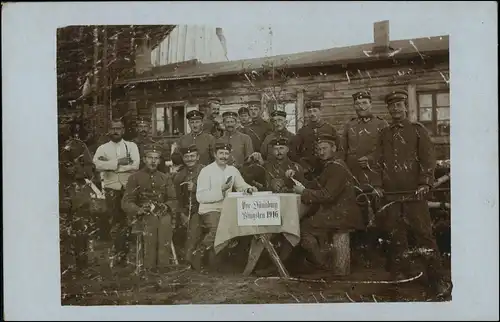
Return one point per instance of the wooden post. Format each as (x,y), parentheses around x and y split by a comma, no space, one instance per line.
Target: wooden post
(342,253)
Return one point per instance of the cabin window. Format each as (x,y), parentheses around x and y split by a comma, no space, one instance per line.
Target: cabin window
(169,119)
(434,111)
(291,117)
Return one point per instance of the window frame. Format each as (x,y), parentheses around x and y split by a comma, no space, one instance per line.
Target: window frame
(167,105)
(434,120)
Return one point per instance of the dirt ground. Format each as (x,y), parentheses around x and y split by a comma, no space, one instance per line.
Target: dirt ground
(100,285)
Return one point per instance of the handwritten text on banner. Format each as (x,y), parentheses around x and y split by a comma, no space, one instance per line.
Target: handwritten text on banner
(259,211)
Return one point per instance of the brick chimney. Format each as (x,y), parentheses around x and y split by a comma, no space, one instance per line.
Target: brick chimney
(220,35)
(381,37)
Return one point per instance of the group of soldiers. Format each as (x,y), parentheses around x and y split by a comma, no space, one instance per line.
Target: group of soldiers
(371,160)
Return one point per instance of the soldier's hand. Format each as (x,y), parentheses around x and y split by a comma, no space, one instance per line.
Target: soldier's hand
(226,186)
(422,191)
(298,189)
(379,192)
(363,162)
(190,186)
(141,212)
(184,219)
(252,189)
(289,173)
(102,158)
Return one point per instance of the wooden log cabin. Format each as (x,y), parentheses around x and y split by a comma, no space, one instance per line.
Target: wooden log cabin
(331,76)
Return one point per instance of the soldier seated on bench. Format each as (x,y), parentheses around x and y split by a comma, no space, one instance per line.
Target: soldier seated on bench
(335,196)
(145,202)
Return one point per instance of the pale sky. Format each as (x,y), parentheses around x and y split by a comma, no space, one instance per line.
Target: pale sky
(252,41)
(331,24)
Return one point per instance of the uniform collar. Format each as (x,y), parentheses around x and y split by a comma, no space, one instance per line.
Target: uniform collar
(399,124)
(318,124)
(365,119)
(196,135)
(146,170)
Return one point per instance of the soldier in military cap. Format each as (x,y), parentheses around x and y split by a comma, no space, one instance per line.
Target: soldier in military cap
(241,143)
(359,140)
(144,139)
(245,120)
(278,119)
(204,141)
(280,169)
(303,146)
(211,123)
(336,198)
(258,128)
(148,203)
(214,183)
(406,163)
(185,187)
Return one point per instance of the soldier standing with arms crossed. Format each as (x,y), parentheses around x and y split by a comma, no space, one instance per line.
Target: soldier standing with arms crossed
(146,202)
(360,137)
(185,188)
(117,160)
(406,163)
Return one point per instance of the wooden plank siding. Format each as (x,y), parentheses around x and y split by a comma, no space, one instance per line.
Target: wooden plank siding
(331,85)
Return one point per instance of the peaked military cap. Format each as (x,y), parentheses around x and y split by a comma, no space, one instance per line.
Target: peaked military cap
(254,103)
(361,95)
(326,138)
(152,148)
(279,141)
(189,149)
(194,115)
(243,110)
(223,146)
(143,121)
(278,113)
(214,100)
(396,96)
(313,104)
(229,114)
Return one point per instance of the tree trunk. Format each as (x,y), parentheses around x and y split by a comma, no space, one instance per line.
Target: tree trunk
(342,253)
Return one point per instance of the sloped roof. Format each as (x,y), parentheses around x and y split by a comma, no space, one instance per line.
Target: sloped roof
(334,56)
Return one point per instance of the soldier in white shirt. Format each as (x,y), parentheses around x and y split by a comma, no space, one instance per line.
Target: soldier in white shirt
(116,160)
(214,182)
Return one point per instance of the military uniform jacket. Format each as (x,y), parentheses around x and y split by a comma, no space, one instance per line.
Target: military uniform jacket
(303,146)
(406,157)
(186,174)
(359,139)
(257,131)
(211,126)
(266,148)
(205,143)
(336,198)
(147,186)
(241,145)
(276,181)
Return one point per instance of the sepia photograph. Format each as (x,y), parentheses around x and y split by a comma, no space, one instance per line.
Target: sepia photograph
(230,160)
(310,177)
